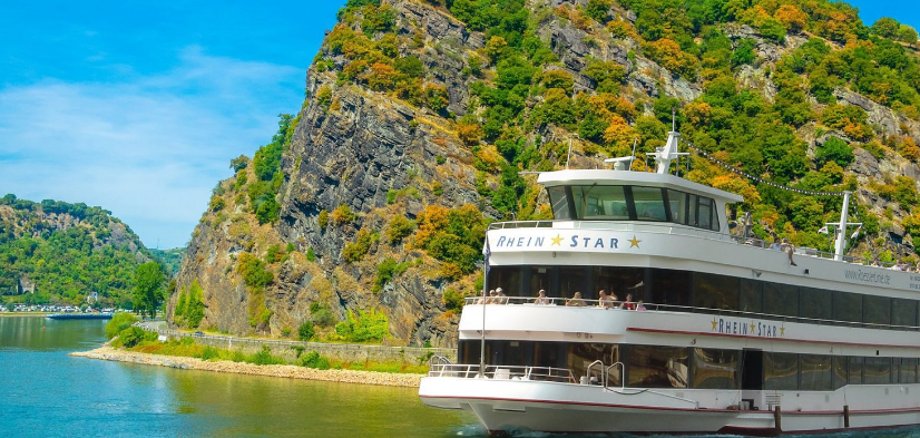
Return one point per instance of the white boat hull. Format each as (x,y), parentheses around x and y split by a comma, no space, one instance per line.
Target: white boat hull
(511,405)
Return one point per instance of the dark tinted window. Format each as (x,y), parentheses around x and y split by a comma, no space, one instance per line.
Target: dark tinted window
(677,201)
(715,369)
(847,307)
(854,370)
(816,373)
(705,212)
(904,312)
(816,303)
(780,371)
(840,371)
(876,370)
(908,372)
(751,297)
(657,367)
(715,291)
(780,299)
(876,310)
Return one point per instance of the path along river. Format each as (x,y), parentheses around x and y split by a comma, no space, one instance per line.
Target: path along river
(45,392)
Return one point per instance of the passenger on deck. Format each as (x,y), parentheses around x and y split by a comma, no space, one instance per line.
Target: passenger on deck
(789,249)
(640,306)
(541,298)
(603,300)
(501,298)
(576,300)
(614,301)
(629,304)
(487,298)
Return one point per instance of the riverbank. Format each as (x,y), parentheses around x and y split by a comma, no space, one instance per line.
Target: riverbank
(22,314)
(226,366)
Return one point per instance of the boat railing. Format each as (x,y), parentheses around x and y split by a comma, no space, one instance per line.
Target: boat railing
(521,224)
(589,377)
(622,375)
(501,372)
(643,306)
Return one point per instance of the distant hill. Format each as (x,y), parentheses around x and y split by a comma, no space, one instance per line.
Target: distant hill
(422,115)
(55,252)
(170,259)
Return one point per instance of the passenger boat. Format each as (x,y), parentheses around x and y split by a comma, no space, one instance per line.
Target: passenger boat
(730,336)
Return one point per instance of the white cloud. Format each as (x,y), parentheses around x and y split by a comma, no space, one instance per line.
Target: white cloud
(151,149)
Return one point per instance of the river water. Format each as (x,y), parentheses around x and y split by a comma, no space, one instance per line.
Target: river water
(45,392)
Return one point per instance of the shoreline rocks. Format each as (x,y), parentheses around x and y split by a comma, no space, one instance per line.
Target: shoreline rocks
(224,366)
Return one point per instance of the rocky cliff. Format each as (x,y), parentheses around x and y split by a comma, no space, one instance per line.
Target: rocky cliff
(421,114)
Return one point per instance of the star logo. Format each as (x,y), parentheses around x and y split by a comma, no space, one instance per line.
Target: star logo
(782,331)
(557,241)
(634,243)
(714,324)
(752,327)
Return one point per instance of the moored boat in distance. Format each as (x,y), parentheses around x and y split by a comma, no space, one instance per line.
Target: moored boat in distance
(702,331)
(81,315)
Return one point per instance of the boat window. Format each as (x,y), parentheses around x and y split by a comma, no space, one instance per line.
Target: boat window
(780,371)
(671,287)
(847,307)
(877,310)
(600,202)
(559,201)
(908,372)
(705,213)
(815,373)
(876,370)
(715,369)
(573,279)
(581,355)
(620,281)
(677,201)
(509,279)
(904,312)
(854,370)
(712,291)
(840,371)
(751,296)
(656,367)
(816,303)
(649,202)
(780,299)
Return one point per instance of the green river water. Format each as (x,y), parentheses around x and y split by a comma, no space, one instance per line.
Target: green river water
(45,392)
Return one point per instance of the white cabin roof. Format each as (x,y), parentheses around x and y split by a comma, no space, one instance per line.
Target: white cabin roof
(626,177)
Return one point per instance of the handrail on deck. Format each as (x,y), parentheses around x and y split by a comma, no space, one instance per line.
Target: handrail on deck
(501,372)
(622,375)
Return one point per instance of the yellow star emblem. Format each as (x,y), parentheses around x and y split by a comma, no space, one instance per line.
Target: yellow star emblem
(634,243)
(752,326)
(714,324)
(557,240)
(782,331)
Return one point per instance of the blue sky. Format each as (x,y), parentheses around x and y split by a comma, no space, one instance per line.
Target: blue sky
(138,107)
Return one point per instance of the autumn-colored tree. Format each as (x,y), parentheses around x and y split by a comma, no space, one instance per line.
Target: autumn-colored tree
(380,77)
(791,17)
(470,133)
(619,134)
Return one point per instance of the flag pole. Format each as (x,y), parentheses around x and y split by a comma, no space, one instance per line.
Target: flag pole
(486,252)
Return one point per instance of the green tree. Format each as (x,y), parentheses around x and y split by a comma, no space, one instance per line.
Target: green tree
(149,280)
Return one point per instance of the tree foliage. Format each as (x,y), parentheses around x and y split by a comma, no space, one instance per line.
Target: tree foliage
(149,290)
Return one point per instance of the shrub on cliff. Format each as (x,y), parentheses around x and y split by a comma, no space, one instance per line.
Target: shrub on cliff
(253,271)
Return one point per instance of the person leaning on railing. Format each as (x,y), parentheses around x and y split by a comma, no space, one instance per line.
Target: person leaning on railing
(575,301)
(541,298)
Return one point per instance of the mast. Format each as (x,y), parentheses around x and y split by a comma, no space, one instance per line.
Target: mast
(664,155)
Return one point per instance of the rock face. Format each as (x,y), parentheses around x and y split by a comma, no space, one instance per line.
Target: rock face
(360,155)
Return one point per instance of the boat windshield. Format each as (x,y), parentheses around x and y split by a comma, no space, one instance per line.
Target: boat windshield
(636,203)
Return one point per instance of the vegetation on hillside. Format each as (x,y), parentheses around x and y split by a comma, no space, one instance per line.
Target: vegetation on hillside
(55,252)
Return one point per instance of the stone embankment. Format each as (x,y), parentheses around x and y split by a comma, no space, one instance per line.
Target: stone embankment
(224,366)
